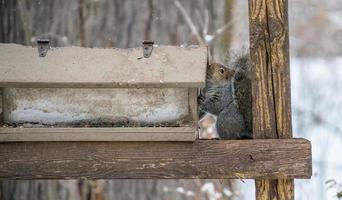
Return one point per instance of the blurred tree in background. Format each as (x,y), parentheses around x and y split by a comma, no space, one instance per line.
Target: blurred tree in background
(117,23)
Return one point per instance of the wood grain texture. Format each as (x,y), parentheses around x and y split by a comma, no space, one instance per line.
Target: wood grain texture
(262,83)
(97,134)
(76,67)
(193,105)
(269,47)
(215,159)
(1,105)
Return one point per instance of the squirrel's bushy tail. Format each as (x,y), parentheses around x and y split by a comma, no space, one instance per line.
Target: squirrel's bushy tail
(243,88)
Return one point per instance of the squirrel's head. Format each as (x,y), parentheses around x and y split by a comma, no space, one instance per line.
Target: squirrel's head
(219,73)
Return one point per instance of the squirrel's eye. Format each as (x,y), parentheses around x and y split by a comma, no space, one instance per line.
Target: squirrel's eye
(222,71)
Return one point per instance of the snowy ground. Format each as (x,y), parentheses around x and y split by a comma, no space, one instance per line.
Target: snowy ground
(317,108)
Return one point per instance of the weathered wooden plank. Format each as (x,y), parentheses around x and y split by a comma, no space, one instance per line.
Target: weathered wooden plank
(269,47)
(262,87)
(290,158)
(1,105)
(168,66)
(193,105)
(97,134)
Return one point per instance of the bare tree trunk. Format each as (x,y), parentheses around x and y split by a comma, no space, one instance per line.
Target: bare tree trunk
(228,18)
(81,18)
(149,20)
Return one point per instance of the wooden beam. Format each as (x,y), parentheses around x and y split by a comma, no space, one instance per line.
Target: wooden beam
(217,159)
(269,48)
(193,105)
(97,134)
(1,105)
(77,67)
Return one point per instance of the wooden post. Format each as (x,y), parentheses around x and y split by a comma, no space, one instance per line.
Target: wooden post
(269,48)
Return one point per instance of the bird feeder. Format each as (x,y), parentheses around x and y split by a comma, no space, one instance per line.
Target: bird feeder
(147,93)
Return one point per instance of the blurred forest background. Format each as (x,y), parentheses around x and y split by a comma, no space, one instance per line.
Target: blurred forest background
(316,72)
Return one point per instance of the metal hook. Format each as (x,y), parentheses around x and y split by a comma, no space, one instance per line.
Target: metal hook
(147,48)
(43,47)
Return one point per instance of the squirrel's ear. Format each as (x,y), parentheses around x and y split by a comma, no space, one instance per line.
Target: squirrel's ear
(238,76)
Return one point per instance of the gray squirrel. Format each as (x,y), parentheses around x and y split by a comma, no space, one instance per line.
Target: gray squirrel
(228,96)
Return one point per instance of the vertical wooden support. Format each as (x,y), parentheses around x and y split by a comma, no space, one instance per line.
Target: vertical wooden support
(269,48)
(193,105)
(1,105)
